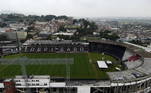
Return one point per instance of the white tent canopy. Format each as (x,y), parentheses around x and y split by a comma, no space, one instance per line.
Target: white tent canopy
(102,64)
(109,62)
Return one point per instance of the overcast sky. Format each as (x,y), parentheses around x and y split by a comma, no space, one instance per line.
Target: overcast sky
(80,8)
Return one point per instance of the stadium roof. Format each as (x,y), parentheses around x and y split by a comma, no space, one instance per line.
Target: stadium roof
(29,42)
(105,42)
(145,48)
(102,64)
(133,48)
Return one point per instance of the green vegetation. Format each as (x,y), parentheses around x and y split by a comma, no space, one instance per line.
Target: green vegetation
(86,28)
(139,42)
(84,66)
(30,18)
(109,35)
(2,24)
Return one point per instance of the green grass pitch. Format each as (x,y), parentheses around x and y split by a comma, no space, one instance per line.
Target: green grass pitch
(84,67)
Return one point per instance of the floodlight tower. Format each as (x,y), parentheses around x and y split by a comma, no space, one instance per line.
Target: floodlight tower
(23,66)
(103,56)
(67,76)
(1,50)
(18,42)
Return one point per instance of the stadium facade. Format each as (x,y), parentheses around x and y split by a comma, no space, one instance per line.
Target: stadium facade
(47,46)
(135,79)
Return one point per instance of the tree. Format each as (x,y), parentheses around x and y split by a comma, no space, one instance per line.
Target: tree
(87,28)
(109,35)
(3,24)
(49,17)
(62,17)
(49,37)
(30,28)
(75,21)
(114,37)
(62,28)
(29,36)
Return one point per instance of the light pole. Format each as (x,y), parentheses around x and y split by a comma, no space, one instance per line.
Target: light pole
(18,43)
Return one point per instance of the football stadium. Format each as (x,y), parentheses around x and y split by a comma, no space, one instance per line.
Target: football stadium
(47,66)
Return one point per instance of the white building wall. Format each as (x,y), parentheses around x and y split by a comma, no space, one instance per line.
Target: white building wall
(83,89)
(40,81)
(1,85)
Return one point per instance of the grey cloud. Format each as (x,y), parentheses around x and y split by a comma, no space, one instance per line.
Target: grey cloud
(87,8)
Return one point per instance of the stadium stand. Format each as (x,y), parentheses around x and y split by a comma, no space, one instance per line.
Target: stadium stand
(134,58)
(145,68)
(108,48)
(45,46)
(134,64)
(127,54)
(8,47)
(135,79)
(129,62)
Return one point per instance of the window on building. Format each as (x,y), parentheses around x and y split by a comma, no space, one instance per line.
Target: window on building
(37,84)
(45,84)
